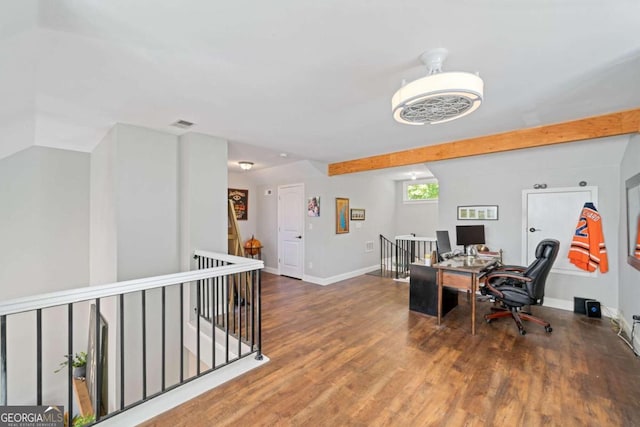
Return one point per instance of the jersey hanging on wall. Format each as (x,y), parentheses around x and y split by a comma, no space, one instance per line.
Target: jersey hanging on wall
(588,251)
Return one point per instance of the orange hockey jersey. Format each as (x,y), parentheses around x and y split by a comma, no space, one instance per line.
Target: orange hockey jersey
(588,251)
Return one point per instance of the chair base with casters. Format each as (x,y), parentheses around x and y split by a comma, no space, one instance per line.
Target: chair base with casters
(516,287)
(518,316)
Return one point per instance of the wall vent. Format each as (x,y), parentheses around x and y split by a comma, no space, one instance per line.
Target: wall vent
(368,246)
(182,124)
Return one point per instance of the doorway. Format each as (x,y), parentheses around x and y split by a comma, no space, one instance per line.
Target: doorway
(553,214)
(291,209)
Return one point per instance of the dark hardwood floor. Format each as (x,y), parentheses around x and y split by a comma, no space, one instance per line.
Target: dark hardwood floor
(353,354)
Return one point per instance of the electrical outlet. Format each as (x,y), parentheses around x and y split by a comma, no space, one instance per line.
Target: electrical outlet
(310,265)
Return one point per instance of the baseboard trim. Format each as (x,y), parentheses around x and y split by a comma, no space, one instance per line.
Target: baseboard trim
(568,306)
(558,303)
(324,281)
(271,270)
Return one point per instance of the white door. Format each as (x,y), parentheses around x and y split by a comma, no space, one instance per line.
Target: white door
(553,214)
(291,209)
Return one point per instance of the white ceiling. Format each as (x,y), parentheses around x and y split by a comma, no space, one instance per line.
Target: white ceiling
(312,79)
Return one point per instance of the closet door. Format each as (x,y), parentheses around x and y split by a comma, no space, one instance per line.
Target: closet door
(553,214)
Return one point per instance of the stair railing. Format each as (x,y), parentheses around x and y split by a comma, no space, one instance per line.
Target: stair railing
(147,323)
(396,257)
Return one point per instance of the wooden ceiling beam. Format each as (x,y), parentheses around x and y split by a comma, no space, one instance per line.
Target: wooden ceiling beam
(620,123)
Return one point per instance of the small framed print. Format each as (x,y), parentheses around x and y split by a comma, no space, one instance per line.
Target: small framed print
(478,212)
(357,214)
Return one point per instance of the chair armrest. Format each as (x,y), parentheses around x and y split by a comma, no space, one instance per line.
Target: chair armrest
(506,275)
(513,268)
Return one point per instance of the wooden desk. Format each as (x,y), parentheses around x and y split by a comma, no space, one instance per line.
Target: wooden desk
(461,273)
(423,291)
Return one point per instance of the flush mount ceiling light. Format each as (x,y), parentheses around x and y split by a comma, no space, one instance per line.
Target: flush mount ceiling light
(245,165)
(439,97)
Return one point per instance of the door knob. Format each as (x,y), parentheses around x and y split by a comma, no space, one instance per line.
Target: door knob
(298,237)
(534,229)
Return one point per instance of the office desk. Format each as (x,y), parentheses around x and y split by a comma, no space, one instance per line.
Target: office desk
(423,291)
(462,273)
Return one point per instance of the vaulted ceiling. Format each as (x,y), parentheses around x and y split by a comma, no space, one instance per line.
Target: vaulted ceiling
(312,79)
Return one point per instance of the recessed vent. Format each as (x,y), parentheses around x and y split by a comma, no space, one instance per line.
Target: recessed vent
(182,124)
(368,246)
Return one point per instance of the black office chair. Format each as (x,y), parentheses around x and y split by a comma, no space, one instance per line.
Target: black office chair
(515,287)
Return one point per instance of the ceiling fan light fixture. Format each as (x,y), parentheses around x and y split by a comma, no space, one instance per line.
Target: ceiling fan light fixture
(439,97)
(244,165)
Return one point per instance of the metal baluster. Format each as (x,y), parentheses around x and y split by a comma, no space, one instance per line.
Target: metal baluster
(39,356)
(144,344)
(181,332)
(253,309)
(70,351)
(3,360)
(122,382)
(259,314)
(99,367)
(239,277)
(163,335)
(198,331)
(226,323)
(213,324)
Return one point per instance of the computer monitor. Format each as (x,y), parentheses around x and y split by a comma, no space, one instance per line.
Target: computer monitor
(443,244)
(469,235)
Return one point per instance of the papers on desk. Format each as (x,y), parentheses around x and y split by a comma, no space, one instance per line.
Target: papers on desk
(489,255)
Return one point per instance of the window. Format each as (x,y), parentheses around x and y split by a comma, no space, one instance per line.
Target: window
(422,190)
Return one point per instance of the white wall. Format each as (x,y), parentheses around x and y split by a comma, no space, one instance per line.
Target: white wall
(629,298)
(44,247)
(332,255)
(418,218)
(500,178)
(103,228)
(18,71)
(44,221)
(103,263)
(203,195)
(146,202)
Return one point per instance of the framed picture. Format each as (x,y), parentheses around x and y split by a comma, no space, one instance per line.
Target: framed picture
(240,200)
(313,206)
(479,212)
(97,349)
(357,214)
(342,215)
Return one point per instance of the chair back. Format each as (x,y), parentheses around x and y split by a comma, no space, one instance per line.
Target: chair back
(546,253)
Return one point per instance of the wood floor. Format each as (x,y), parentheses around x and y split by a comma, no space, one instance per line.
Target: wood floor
(352,354)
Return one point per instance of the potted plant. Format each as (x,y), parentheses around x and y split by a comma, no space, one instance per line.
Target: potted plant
(79,363)
(83,420)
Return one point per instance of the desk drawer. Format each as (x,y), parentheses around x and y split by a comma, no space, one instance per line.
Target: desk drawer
(456,280)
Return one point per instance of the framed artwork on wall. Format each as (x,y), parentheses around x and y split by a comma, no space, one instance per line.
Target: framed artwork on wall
(313,206)
(342,215)
(478,212)
(357,214)
(633,221)
(240,200)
